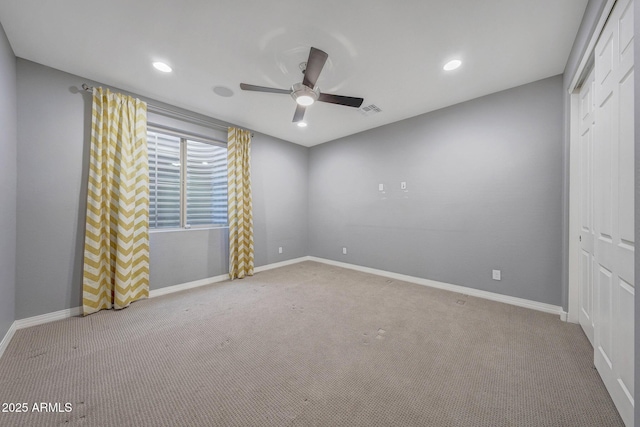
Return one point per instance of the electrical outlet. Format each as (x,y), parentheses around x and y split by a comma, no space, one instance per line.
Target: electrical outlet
(497,275)
(344,251)
(280,250)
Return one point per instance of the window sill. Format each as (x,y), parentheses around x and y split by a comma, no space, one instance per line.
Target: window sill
(173,230)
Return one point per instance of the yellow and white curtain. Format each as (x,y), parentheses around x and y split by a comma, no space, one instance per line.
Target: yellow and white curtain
(239,202)
(116,249)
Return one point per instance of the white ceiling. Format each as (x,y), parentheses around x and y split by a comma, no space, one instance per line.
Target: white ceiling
(389,53)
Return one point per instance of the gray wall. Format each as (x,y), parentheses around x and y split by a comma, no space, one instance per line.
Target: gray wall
(484,181)
(8,176)
(279,178)
(53,135)
(51,154)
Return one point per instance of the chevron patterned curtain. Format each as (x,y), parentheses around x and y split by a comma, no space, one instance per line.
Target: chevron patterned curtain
(116,248)
(240,206)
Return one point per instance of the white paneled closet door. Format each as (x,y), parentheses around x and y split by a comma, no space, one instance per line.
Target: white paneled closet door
(587,124)
(613,177)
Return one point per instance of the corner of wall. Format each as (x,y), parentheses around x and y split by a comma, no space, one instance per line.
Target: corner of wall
(8,184)
(637,204)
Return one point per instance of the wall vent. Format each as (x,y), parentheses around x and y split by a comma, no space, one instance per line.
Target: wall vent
(370,110)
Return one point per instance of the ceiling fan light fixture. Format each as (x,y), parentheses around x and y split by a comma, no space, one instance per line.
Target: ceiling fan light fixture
(304,95)
(305,100)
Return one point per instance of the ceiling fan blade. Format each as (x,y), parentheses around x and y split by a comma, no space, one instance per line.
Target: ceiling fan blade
(349,101)
(255,88)
(299,114)
(315,63)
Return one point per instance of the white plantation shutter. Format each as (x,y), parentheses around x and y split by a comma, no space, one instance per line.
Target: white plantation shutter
(173,158)
(164,180)
(206,184)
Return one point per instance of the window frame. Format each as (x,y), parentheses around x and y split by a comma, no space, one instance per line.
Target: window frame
(184,137)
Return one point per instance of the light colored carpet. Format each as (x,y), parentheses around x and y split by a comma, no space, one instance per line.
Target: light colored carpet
(308,345)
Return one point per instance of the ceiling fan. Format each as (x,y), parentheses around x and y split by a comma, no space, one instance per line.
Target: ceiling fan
(306,93)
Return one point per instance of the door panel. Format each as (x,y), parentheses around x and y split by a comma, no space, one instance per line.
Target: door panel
(586,295)
(613,206)
(625,159)
(586,205)
(624,339)
(603,170)
(604,336)
(604,61)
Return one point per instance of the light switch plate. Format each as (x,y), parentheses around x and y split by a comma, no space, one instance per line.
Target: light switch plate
(497,275)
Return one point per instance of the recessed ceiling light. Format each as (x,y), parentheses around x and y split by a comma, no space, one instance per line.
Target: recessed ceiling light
(161,66)
(302,124)
(452,65)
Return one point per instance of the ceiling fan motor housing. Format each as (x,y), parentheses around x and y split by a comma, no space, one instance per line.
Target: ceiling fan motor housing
(304,95)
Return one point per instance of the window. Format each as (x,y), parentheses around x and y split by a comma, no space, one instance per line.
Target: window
(187,181)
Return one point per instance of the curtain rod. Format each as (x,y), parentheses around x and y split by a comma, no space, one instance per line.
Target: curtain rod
(172,113)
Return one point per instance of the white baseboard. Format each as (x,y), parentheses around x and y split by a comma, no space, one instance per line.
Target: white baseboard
(281,264)
(7,338)
(36,320)
(188,285)
(217,279)
(49,317)
(520,302)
